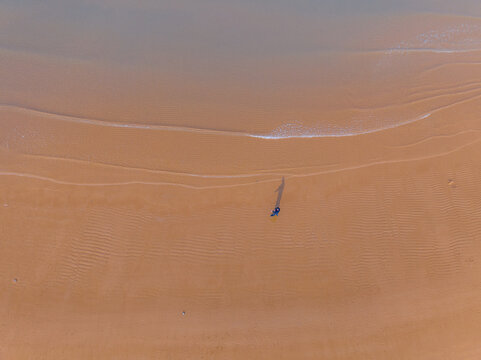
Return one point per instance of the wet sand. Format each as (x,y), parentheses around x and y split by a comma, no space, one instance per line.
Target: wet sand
(135,202)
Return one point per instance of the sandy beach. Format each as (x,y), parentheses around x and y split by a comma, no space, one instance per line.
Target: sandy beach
(139,167)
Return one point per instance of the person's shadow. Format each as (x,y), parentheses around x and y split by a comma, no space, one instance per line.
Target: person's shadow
(279,191)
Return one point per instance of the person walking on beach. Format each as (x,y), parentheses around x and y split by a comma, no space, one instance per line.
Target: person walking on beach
(275,212)
(279,191)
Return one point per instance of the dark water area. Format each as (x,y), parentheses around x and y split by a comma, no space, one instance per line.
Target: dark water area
(265,68)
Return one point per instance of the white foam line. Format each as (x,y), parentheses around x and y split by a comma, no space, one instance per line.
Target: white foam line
(441,51)
(323,172)
(275,137)
(127,183)
(373,130)
(407,50)
(106,123)
(151,171)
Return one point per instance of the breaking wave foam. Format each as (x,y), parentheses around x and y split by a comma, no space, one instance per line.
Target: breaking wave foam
(285,131)
(298,130)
